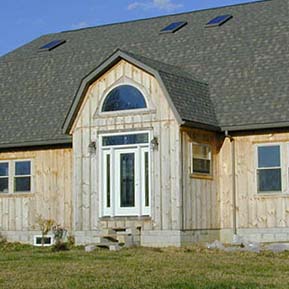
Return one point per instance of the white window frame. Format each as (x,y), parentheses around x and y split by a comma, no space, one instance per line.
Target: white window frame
(140,208)
(210,174)
(257,168)
(12,175)
(35,237)
(124,111)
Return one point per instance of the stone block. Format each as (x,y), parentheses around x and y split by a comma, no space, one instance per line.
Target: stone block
(89,248)
(114,247)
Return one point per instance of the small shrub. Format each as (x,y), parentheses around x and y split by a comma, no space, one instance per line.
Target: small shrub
(71,241)
(59,236)
(60,246)
(3,240)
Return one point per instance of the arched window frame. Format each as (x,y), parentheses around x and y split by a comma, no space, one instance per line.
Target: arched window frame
(126,111)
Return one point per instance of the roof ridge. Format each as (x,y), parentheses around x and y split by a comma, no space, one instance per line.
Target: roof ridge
(163,16)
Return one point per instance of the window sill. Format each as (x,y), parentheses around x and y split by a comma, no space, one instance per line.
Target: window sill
(202,177)
(271,195)
(16,195)
(122,218)
(123,113)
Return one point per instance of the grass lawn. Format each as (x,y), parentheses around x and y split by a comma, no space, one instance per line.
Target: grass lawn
(193,267)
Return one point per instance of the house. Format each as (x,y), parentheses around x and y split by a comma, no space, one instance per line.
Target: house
(172,130)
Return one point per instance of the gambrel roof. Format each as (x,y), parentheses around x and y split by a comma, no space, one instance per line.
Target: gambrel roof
(179,87)
(232,77)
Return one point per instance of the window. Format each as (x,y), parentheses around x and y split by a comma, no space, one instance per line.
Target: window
(22,176)
(173,27)
(201,159)
(269,169)
(125,139)
(15,176)
(4,177)
(48,240)
(51,45)
(124,97)
(219,20)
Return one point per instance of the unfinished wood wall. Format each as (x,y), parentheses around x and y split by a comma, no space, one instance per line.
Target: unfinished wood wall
(201,194)
(51,198)
(166,166)
(253,210)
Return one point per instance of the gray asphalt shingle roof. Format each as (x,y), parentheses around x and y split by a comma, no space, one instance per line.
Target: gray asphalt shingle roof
(244,62)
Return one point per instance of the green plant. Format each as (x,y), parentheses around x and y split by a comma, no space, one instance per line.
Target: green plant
(61,246)
(71,240)
(2,239)
(59,233)
(45,226)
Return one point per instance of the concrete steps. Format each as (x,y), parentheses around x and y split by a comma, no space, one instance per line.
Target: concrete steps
(113,239)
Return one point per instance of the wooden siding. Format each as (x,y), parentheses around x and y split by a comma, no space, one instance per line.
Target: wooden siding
(201,194)
(165,169)
(51,196)
(253,210)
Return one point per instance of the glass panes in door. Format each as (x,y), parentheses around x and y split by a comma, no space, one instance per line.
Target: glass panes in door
(127,179)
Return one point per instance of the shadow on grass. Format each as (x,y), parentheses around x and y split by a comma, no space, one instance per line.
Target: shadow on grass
(219,285)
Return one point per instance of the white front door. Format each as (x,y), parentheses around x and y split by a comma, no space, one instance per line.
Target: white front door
(125,174)
(127,181)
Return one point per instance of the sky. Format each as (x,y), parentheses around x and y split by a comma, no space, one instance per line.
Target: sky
(24,20)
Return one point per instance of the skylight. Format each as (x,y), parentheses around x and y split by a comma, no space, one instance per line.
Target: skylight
(173,27)
(219,20)
(51,45)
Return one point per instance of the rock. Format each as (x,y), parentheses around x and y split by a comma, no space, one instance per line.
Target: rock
(246,245)
(233,249)
(277,248)
(89,248)
(252,246)
(216,245)
(114,247)
(238,240)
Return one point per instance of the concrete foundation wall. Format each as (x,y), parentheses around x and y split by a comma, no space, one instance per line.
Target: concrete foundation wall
(158,238)
(177,238)
(24,237)
(265,234)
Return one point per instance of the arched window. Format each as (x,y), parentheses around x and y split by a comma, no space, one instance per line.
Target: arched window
(124,97)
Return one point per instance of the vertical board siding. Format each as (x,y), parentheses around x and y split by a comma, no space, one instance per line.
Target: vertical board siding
(51,198)
(201,195)
(159,119)
(253,210)
(225,185)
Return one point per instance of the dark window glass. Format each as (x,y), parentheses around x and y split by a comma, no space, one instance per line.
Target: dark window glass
(22,184)
(219,20)
(125,139)
(147,200)
(4,167)
(201,166)
(124,97)
(47,241)
(269,180)
(173,27)
(3,185)
(22,168)
(269,156)
(108,181)
(4,180)
(127,180)
(51,45)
